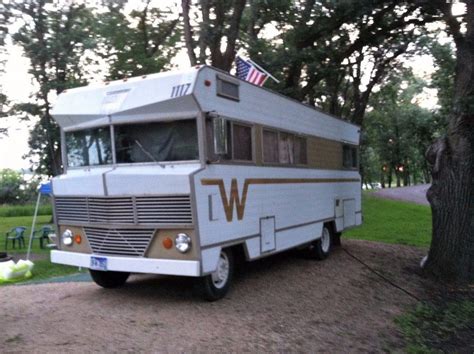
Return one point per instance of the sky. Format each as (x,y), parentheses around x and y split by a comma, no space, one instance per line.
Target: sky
(18,85)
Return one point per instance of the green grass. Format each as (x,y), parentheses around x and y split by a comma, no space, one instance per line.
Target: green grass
(43,268)
(7,223)
(446,327)
(393,222)
(24,210)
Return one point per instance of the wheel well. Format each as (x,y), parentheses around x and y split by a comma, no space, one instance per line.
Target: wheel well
(336,238)
(332,226)
(240,255)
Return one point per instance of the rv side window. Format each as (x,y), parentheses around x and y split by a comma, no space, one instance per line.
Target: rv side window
(242,142)
(286,149)
(300,150)
(227,88)
(270,146)
(349,156)
(211,155)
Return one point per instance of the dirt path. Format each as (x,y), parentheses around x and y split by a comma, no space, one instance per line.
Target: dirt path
(282,303)
(415,194)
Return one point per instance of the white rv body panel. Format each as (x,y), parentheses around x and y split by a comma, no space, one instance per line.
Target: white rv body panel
(136,99)
(261,106)
(154,179)
(267,209)
(298,200)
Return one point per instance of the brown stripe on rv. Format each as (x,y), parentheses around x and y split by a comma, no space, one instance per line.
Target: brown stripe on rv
(228,203)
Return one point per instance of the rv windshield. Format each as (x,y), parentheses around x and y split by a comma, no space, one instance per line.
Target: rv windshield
(157,142)
(89,147)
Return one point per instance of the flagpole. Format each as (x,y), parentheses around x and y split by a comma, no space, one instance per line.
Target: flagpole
(262,69)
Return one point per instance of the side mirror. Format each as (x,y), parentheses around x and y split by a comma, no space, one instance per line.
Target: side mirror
(219,125)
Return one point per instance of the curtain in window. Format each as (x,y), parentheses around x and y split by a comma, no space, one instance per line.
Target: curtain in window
(242,142)
(286,149)
(270,146)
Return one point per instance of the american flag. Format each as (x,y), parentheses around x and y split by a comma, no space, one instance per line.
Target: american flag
(248,72)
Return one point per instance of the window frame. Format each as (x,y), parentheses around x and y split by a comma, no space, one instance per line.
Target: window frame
(232,159)
(354,165)
(65,161)
(252,141)
(113,145)
(153,162)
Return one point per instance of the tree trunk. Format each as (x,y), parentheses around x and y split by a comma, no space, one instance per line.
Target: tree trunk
(451,194)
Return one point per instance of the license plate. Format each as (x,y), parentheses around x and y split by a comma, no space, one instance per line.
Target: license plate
(98,263)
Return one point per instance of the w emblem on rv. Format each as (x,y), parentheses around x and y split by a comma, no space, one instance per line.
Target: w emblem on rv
(228,203)
(234,199)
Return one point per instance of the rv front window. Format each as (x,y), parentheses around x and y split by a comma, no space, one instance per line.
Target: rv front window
(89,147)
(157,142)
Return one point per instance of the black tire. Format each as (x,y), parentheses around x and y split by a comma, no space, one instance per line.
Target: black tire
(109,279)
(210,287)
(320,248)
(336,239)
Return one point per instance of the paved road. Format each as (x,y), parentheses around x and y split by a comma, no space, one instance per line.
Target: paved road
(281,303)
(415,194)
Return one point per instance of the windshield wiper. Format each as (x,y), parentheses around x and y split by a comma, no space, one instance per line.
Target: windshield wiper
(145,151)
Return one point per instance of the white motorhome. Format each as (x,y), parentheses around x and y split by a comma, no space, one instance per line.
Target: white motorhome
(175,173)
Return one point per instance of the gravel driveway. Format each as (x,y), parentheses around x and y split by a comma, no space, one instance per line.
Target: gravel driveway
(282,303)
(415,194)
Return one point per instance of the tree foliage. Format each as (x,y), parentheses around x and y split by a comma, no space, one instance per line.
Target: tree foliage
(54,37)
(139,43)
(214,31)
(397,132)
(4,18)
(451,157)
(11,183)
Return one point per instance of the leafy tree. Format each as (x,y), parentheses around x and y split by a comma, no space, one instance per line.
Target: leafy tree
(4,17)
(451,194)
(218,28)
(11,183)
(443,77)
(397,132)
(54,37)
(141,43)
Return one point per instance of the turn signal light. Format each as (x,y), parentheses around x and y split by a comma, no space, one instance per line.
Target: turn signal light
(78,239)
(167,243)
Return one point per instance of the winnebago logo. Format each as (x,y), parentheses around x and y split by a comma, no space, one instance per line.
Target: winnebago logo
(235,199)
(228,203)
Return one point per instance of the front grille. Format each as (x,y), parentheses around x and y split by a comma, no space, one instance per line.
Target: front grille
(151,210)
(166,210)
(119,242)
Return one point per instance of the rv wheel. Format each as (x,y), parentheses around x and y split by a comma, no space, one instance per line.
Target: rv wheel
(109,279)
(216,285)
(321,248)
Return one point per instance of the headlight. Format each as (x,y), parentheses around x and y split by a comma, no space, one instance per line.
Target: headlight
(182,243)
(67,237)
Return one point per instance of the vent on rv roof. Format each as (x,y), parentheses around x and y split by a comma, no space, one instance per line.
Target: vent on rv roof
(227,88)
(113,100)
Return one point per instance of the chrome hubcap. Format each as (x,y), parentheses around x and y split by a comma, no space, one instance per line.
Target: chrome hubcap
(220,276)
(325,240)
